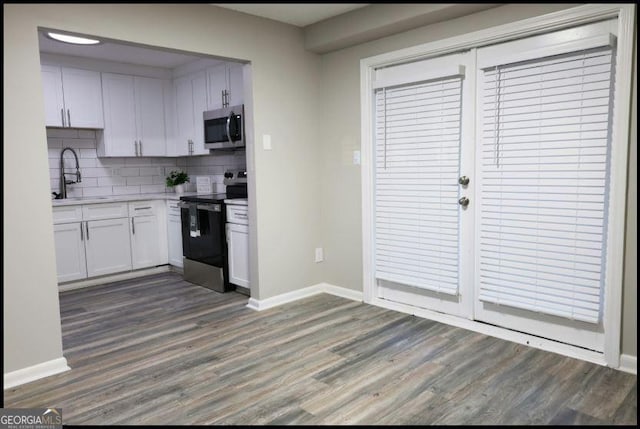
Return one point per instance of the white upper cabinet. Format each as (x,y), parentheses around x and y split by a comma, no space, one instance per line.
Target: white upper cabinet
(134,116)
(235,91)
(150,116)
(224,86)
(191,103)
(53,99)
(119,116)
(73,97)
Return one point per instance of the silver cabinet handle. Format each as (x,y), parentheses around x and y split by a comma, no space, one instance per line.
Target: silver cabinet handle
(240,215)
(140,144)
(222,96)
(464,201)
(135,145)
(142,208)
(81,233)
(87,225)
(62,115)
(69,117)
(133,226)
(464,180)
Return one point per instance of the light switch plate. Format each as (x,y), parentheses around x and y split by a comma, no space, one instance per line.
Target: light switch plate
(319,254)
(266,142)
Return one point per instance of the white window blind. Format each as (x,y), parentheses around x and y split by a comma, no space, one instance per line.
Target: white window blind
(544,183)
(417,157)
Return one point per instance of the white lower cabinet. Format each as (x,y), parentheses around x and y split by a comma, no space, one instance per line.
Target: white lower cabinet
(145,242)
(238,249)
(99,239)
(70,255)
(174,234)
(108,246)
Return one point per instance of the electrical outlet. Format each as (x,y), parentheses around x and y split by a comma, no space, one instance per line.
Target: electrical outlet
(319,254)
(356,157)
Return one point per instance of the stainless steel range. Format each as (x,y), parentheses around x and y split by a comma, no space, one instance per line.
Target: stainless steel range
(204,245)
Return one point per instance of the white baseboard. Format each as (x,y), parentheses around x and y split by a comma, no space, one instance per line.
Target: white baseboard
(35,372)
(629,364)
(114,278)
(274,301)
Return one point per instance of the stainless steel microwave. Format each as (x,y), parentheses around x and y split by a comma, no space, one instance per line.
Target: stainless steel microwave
(224,128)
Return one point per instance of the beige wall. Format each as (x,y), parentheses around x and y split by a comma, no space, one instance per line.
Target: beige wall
(341,185)
(285,93)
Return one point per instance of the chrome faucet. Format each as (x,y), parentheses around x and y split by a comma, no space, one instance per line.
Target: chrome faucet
(63,181)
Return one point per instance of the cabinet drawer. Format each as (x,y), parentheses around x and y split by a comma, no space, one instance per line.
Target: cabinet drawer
(104,211)
(238,214)
(172,208)
(142,208)
(67,214)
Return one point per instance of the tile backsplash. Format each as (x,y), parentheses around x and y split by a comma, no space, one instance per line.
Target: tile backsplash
(124,176)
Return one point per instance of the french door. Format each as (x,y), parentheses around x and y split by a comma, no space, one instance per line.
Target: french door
(424,146)
(491,181)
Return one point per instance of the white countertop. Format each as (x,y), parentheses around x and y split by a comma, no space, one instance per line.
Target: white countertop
(119,198)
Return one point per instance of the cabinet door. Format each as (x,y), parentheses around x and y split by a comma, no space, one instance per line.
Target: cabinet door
(144,241)
(199,85)
(234,85)
(150,116)
(119,115)
(82,98)
(108,246)
(238,246)
(53,99)
(216,84)
(174,231)
(70,257)
(184,115)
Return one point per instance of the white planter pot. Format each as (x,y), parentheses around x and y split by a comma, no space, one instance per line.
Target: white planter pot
(180,189)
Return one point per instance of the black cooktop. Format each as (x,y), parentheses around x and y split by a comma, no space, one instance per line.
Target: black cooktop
(205,198)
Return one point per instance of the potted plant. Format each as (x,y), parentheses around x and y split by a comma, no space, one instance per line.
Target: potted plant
(177,180)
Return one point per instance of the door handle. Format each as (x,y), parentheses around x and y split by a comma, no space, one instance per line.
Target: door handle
(81,233)
(464,201)
(69,117)
(140,144)
(133,226)
(87,225)
(135,145)
(62,115)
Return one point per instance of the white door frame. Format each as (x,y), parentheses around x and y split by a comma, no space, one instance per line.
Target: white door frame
(612,310)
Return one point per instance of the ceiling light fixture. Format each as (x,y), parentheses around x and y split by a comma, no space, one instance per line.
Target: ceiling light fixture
(75,40)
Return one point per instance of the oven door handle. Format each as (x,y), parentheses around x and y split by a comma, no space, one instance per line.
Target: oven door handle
(183,205)
(209,207)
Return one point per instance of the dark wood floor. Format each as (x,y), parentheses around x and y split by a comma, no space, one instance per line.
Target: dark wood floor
(159,350)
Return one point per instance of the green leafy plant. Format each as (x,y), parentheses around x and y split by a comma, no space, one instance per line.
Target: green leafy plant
(177,177)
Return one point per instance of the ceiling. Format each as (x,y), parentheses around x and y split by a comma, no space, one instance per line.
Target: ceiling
(119,52)
(300,15)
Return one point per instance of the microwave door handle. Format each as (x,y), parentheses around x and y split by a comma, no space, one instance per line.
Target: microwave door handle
(228,128)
